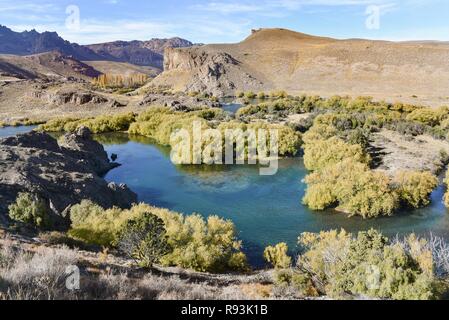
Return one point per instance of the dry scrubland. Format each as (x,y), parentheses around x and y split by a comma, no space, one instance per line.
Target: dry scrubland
(331,265)
(33,269)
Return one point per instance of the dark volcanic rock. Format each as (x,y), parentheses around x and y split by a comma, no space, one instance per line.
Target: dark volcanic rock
(63,174)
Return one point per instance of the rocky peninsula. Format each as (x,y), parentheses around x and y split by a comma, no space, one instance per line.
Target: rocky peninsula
(62,172)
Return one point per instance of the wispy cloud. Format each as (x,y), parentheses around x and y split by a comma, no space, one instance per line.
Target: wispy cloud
(269,5)
(208,21)
(96,31)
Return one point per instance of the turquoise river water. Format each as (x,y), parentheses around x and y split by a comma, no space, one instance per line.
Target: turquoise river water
(265,209)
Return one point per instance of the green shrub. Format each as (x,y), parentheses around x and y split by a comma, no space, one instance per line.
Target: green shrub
(30,209)
(110,123)
(429,116)
(323,153)
(278,256)
(211,113)
(415,187)
(250,95)
(283,277)
(289,141)
(144,239)
(352,188)
(57,125)
(100,124)
(279,94)
(200,244)
(367,265)
(95,225)
(319,132)
(207,245)
(160,123)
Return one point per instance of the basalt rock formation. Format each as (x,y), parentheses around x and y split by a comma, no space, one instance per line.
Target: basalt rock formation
(63,172)
(211,71)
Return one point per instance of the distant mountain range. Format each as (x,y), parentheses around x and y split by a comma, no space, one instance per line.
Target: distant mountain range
(144,53)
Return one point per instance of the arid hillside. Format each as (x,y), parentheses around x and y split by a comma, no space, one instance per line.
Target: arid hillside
(271,59)
(122,68)
(45,65)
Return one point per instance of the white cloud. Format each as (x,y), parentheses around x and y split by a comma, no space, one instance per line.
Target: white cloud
(96,31)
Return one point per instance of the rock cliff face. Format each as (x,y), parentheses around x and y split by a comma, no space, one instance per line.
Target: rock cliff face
(62,173)
(69,96)
(213,71)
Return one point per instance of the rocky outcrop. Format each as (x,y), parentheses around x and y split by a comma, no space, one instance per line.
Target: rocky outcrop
(68,96)
(77,98)
(62,173)
(212,71)
(65,65)
(178,102)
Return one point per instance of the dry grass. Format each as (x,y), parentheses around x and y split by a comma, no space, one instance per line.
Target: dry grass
(34,276)
(401,152)
(36,272)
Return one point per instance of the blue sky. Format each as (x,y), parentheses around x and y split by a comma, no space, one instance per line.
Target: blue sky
(228,21)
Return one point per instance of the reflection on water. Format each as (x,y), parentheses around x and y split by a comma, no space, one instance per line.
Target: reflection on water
(265,209)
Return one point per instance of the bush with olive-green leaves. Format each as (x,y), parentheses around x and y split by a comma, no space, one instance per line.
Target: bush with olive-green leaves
(343,265)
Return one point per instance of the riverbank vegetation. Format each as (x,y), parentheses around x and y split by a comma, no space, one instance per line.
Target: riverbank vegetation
(191,242)
(332,265)
(341,176)
(195,243)
(335,134)
(41,272)
(159,123)
(341,265)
